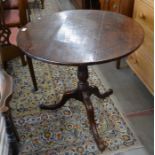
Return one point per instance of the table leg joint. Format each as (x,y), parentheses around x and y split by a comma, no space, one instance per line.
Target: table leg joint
(82,93)
(94,90)
(66,96)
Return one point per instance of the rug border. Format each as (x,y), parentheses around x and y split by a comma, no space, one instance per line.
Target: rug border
(104,82)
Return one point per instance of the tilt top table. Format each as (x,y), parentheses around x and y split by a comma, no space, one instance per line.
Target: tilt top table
(81,38)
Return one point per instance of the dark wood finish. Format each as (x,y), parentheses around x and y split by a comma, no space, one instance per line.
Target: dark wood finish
(121,6)
(31,69)
(81,38)
(83,93)
(9,51)
(42,4)
(86,4)
(23,12)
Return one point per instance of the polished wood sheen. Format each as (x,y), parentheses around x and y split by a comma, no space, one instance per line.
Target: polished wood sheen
(124,7)
(81,38)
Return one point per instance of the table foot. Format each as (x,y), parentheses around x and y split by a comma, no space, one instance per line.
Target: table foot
(68,95)
(91,117)
(94,90)
(83,93)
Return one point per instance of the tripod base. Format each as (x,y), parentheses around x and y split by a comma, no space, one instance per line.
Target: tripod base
(83,93)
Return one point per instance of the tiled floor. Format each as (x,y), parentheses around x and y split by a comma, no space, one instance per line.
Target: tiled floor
(133,97)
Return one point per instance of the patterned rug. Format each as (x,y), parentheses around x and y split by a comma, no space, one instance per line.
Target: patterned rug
(64,131)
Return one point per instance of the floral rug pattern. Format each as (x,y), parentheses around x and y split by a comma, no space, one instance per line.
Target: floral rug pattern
(64,131)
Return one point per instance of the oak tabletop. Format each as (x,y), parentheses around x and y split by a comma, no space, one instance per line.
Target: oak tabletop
(80,37)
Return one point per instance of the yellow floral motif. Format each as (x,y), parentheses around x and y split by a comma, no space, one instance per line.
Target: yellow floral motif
(47,134)
(125,137)
(66,129)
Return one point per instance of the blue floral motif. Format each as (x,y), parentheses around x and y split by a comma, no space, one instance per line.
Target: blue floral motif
(64,131)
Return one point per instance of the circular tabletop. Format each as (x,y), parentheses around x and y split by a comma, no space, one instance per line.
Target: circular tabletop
(80,37)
